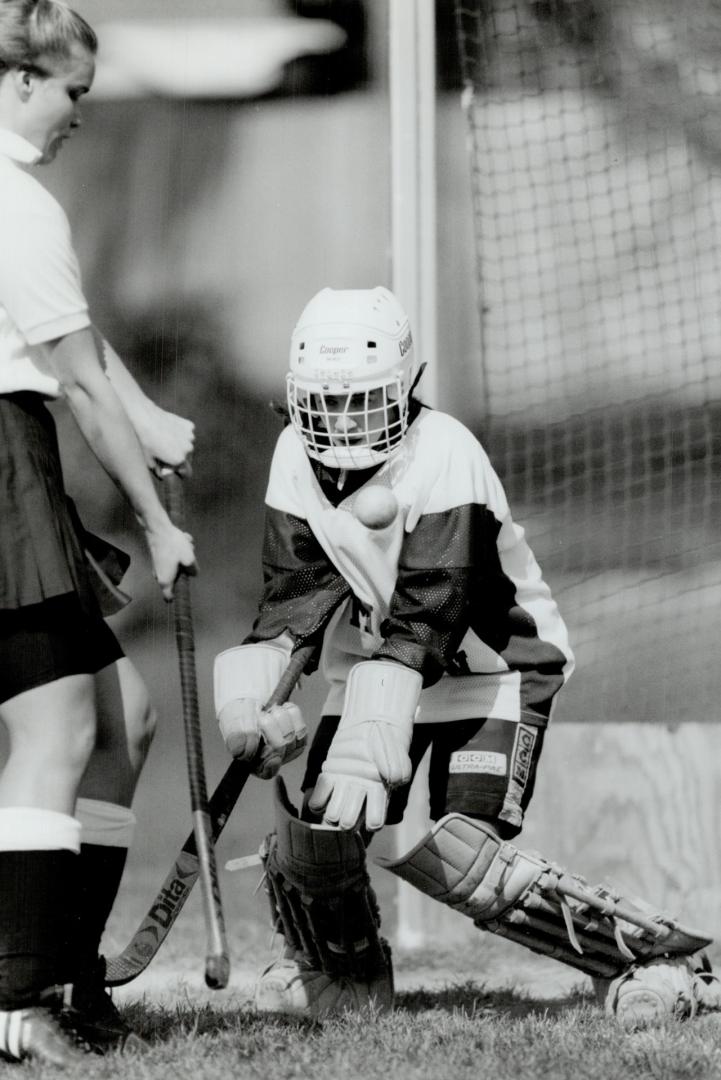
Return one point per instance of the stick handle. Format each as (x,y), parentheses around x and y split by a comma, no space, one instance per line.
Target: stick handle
(286,683)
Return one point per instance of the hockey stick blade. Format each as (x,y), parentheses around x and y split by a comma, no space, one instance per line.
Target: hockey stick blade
(178,884)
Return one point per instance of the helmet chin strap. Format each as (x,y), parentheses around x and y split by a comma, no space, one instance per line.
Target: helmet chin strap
(417,379)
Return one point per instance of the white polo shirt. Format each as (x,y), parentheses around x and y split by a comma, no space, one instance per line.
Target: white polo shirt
(41,295)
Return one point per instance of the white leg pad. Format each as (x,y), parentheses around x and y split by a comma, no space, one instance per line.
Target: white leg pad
(521,896)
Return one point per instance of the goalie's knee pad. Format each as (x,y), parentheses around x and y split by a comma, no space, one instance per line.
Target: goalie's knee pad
(321,899)
(523,897)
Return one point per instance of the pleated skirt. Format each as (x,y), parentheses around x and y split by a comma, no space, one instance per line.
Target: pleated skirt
(41,554)
(51,624)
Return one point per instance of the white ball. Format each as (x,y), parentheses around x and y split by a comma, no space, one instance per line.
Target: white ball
(375,507)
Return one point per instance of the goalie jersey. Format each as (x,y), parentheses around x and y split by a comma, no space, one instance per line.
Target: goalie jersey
(450,588)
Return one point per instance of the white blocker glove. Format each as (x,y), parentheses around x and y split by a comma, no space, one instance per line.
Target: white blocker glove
(244,678)
(369,752)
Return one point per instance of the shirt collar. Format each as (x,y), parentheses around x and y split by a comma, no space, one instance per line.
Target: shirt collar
(19,149)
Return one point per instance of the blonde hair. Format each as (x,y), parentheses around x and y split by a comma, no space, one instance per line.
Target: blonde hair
(32,29)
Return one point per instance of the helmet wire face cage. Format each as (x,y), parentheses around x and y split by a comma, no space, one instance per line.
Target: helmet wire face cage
(349,430)
(351,374)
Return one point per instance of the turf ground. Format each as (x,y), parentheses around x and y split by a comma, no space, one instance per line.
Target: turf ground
(490,1010)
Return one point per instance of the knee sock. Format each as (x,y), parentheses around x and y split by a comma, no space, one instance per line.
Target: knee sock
(38,866)
(107,831)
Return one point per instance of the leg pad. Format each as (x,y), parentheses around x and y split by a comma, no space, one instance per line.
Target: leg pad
(525,898)
(321,897)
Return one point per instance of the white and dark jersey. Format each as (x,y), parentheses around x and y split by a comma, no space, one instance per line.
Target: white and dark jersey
(451,588)
(41,296)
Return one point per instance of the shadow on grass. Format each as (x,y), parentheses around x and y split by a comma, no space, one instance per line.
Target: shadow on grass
(159,1025)
(474,998)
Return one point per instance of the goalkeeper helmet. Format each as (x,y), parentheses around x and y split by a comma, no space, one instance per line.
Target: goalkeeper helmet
(352,369)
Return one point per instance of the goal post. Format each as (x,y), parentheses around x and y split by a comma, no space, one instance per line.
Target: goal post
(412,93)
(412,98)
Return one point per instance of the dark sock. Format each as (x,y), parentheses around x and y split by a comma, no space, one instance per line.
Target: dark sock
(35,903)
(98,881)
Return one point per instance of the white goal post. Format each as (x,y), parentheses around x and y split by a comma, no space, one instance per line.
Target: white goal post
(412,92)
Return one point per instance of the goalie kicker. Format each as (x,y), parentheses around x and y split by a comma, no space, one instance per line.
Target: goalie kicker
(639,956)
(322,904)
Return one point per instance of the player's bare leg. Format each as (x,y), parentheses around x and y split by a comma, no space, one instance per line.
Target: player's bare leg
(51,732)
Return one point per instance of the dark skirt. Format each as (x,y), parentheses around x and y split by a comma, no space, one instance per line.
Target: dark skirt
(56,579)
(41,643)
(42,541)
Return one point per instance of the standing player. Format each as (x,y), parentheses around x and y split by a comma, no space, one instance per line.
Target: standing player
(389,539)
(76,712)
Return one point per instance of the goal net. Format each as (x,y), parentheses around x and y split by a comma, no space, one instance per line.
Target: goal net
(594,131)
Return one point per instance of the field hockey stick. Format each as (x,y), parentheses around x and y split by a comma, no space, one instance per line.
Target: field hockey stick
(217,960)
(178,884)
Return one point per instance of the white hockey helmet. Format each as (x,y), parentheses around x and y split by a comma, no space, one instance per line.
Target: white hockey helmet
(352,369)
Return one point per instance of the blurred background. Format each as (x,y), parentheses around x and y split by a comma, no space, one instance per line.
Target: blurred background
(235,158)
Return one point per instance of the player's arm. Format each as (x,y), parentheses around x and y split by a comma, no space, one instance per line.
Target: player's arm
(166,439)
(446,565)
(429,615)
(101,417)
(301,587)
(301,591)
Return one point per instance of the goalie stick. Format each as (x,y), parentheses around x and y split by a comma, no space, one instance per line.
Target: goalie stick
(175,890)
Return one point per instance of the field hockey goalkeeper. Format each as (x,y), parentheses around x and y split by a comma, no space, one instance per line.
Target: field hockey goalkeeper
(390,544)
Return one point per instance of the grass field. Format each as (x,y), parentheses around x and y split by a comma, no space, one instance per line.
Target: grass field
(488,1011)
(482,1007)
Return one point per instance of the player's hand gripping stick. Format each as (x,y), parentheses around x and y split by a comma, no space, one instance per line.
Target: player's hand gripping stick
(179,882)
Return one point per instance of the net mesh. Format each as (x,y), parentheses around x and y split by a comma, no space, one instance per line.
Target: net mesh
(594,131)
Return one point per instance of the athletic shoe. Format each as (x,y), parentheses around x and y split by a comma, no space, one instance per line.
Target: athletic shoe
(37,1033)
(291,986)
(94,1017)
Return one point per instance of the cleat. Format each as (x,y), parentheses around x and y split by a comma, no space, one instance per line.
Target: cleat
(652,994)
(94,1018)
(643,1008)
(291,986)
(39,1036)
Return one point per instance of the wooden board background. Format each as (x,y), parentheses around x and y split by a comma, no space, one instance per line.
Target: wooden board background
(634,804)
